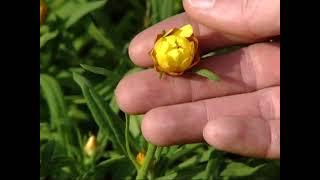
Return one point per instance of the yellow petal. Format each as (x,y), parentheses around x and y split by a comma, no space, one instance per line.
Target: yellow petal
(140,158)
(186,63)
(161,46)
(172,40)
(185,31)
(174,54)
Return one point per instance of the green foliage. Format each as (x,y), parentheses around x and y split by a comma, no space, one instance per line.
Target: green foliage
(207,74)
(83,56)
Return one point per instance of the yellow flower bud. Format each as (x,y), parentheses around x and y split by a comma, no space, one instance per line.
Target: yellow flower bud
(91,146)
(140,158)
(43,11)
(175,51)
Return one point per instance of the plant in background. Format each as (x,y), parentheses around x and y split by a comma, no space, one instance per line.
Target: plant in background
(83,55)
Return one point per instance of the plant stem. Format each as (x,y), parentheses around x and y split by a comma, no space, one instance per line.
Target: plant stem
(147,162)
(130,155)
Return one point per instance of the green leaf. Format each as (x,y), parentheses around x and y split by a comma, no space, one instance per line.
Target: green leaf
(191,162)
(107,163)
(47,37)
(102,113)
(183,151)
(47,151)
(100,37)
(82,10)
(157,154)
(51,160)
(134,70)
(167,177)
(99,70)
(270,171)
(106,87)
(45,133)
(240,169)
(46,155)
(122,170)
(66,9)
(113,105)
(137,140)
(207,73)
(99,171)
(129,152)
(135,125)
(213,166)
(75,113)
(192,172)
(44,29)
(116,168)
(61,161)
(59,119)
(102,141)
(166,9)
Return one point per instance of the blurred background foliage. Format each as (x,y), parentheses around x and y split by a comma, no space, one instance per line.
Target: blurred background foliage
(83,55)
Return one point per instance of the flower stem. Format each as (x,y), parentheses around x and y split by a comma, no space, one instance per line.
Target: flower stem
(147,162)
(129,153)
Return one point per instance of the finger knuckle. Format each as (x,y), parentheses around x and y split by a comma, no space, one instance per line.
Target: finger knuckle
(269,103)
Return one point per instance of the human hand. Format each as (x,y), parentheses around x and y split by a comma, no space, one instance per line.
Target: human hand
(240,113)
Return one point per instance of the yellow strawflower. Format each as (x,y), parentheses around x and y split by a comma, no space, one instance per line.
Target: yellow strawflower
(175,51)
(91,146)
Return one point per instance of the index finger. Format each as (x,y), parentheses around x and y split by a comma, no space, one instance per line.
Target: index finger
(208,38)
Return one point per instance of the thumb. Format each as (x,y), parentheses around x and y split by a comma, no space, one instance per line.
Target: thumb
(250,19)
(248,137)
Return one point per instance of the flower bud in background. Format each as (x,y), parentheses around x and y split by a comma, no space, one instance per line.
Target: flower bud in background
(140,158)
(175,51)
(91,146)
(43,11)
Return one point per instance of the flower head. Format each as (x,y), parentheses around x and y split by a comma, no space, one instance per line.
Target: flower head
(140,158)
(175,51)
(91,146)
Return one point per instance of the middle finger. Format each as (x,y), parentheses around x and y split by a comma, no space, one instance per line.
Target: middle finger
(248,69)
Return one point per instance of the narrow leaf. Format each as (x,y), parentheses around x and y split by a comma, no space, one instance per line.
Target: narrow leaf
(59,119)
(47,37)
(191,162)
(239,169)
(130,155)
(208,74)
(99,70)
(102,113)
(82,10)
(100,37)
(213,166)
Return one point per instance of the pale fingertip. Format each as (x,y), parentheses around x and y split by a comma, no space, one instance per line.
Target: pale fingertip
(123,98)
(223,134)
(137,52)
(155,130)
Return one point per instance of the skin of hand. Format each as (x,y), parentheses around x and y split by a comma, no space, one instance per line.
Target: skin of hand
(238,114)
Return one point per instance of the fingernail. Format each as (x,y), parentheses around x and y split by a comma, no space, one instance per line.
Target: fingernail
(202,4)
